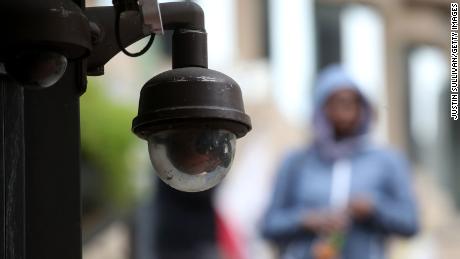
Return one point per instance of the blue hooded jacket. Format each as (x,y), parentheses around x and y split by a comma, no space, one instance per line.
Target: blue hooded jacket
(305,181)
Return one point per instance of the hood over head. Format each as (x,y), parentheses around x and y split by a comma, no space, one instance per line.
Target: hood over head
(330,80)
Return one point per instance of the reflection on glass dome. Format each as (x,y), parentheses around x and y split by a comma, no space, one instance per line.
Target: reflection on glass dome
(37,69)
(192,160)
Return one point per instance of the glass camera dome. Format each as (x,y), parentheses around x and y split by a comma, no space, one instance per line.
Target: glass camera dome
(192,160)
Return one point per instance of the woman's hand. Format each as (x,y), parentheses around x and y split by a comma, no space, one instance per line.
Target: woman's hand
(325,221)
(361,208)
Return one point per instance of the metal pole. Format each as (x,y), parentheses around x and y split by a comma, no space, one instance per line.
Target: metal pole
(52,161)
(12,171)
(40,206)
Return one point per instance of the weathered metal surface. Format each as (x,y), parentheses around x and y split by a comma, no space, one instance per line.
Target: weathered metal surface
(12,170)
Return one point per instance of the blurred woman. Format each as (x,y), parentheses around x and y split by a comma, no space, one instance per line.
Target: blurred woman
(342,196)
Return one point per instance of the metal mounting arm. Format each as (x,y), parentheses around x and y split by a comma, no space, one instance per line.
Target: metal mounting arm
(185,18)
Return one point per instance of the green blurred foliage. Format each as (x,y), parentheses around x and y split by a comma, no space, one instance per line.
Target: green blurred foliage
(107,142)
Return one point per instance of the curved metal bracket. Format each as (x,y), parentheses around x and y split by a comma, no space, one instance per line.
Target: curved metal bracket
(103,35)
(176,16)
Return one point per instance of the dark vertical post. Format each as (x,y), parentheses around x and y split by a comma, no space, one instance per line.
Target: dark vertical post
(40,215)
(12,171)
(52,137)
(52,130)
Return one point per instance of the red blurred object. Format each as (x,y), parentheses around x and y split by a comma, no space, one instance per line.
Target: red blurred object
(227,239)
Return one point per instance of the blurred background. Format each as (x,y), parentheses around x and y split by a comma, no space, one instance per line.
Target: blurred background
(398,51)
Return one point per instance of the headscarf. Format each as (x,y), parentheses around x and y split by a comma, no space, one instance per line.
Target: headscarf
(330,80)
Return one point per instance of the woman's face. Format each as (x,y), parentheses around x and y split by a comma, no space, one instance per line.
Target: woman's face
(343,110)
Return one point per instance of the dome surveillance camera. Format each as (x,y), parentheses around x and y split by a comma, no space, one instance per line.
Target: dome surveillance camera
(36,69)
(191,118)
